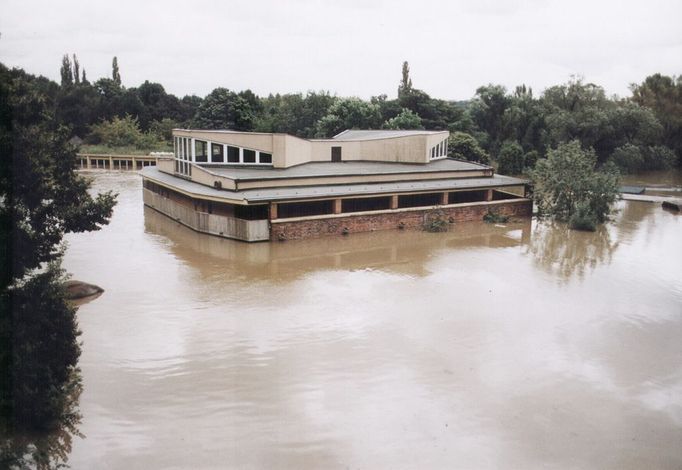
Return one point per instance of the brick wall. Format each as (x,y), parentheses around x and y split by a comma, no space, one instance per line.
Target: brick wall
(410,219)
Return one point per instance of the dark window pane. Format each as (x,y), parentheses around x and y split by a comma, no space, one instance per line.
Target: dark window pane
(302,209)
(200,151)
(232,155)
(466,196)
(365,204)
(418,200)
(249,156)
(217,153)
(251,212)
(265,158)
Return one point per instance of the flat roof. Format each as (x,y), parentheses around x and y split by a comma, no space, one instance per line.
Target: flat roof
(347,135)
(324,191)
(359,134)
(349,168)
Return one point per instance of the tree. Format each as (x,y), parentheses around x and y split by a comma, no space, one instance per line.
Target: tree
(487,111)
(405,87)
(119,132)
(464,147)
(294,113)
(66,71)
(348,113)
(405,120)
(663,95)
(224,109)
(41,199)
(511,159)
(76,70)
(115,74)
(568,188)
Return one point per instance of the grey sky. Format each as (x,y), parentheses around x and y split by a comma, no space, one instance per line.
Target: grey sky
(349,47)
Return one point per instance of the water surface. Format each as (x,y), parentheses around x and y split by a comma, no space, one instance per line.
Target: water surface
(522,345)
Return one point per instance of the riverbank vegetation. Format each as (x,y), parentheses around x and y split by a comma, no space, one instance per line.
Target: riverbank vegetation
(513,129)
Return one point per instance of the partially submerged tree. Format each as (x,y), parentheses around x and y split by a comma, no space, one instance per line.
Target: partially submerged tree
(568,188)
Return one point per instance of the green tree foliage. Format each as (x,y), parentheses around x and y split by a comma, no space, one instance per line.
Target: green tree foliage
(41,199)
(631,158)
(567,186)
(119,132)
(524,120)
(66,71)
(225,109)
(405,120)
(405,87)
(511,159)
(464,147)
(294,114)
(115,73)
(663,95)
(530,159)
(487,111)
(349,113)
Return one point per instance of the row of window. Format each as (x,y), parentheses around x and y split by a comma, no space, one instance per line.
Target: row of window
(201,151)
(440,150)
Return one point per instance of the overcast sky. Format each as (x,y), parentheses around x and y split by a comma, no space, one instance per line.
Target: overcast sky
(349,47)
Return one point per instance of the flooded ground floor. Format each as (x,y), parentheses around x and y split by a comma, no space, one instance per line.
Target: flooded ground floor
(518,346)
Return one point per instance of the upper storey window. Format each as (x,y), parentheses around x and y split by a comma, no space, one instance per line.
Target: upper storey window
(201,151)
(440,150)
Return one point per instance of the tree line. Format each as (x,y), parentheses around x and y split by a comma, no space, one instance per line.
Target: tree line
(513,128)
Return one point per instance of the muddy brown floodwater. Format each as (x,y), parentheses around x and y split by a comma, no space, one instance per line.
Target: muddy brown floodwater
(519,346)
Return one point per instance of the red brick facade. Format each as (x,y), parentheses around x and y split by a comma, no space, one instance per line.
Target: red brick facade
(409,219)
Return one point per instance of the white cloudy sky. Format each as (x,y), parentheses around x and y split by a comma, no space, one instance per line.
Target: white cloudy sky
(350,47)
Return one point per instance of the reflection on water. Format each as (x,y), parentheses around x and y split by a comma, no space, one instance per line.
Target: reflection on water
(517,346)
(564,253)
(395,251)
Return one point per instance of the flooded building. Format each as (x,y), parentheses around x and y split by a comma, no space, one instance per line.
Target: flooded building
(254,186)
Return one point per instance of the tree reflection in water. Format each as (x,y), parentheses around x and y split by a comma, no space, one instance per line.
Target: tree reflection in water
(566,253)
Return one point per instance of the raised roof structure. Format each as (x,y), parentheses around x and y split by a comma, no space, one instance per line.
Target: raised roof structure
(265,186)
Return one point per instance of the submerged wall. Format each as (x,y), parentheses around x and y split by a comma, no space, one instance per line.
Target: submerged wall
(318,226)
(223,226)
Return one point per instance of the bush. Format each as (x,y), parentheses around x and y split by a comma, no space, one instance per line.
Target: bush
(632,158)
(583,219)
(510,159)
(659,158)
(436,222)
(567,181)
(628,158)
(464,147)
(495,218)
(531,159)
(125,133)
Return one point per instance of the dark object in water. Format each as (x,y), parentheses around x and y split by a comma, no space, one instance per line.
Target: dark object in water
(672,205)
(78,290)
